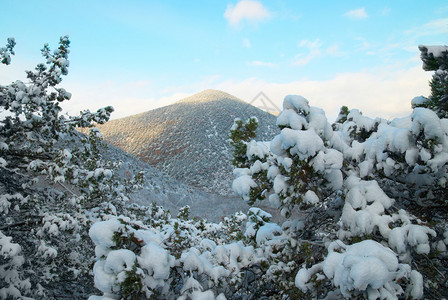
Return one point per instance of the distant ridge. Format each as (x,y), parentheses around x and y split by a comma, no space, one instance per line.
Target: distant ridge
(188,140)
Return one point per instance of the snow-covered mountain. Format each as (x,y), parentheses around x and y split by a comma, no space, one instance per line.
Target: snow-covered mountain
(188,140)
(171,193)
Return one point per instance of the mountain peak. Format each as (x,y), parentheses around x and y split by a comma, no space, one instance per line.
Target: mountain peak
(188,140)
(208,96)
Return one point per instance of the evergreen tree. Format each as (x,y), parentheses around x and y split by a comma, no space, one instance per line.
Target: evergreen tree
(240,135)
(246,152)
(435,58)
(7,51)
(53,184)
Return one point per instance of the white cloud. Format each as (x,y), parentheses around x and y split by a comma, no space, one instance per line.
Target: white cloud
(313,52)
(257,63)
(435,27)
(123,105)
(250,10)
(246,43)
(126,98)
(357,14)
(383,92)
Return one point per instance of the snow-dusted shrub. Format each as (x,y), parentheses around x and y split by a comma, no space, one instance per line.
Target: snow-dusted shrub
(366,268)
(166,258)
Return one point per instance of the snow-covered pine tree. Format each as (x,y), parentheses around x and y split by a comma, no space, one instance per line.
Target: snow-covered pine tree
(240,134)
(342,116)
(7,51)
(245,154)
(435,58)
(53,184)
(375,195)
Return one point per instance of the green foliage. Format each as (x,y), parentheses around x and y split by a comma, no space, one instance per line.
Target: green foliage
(439,94)
(438,100)
(263,186)
(234,225)
(431,62)
(240,135)
(184,213)
(156,215)
(7,51)
(124,238)
(343,113)
(132,286)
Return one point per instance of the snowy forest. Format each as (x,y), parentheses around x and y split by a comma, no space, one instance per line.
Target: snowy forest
(364,203)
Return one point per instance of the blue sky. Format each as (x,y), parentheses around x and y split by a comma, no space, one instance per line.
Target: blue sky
(138,55)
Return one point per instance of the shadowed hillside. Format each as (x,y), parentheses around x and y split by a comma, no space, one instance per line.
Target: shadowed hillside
(188,139)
